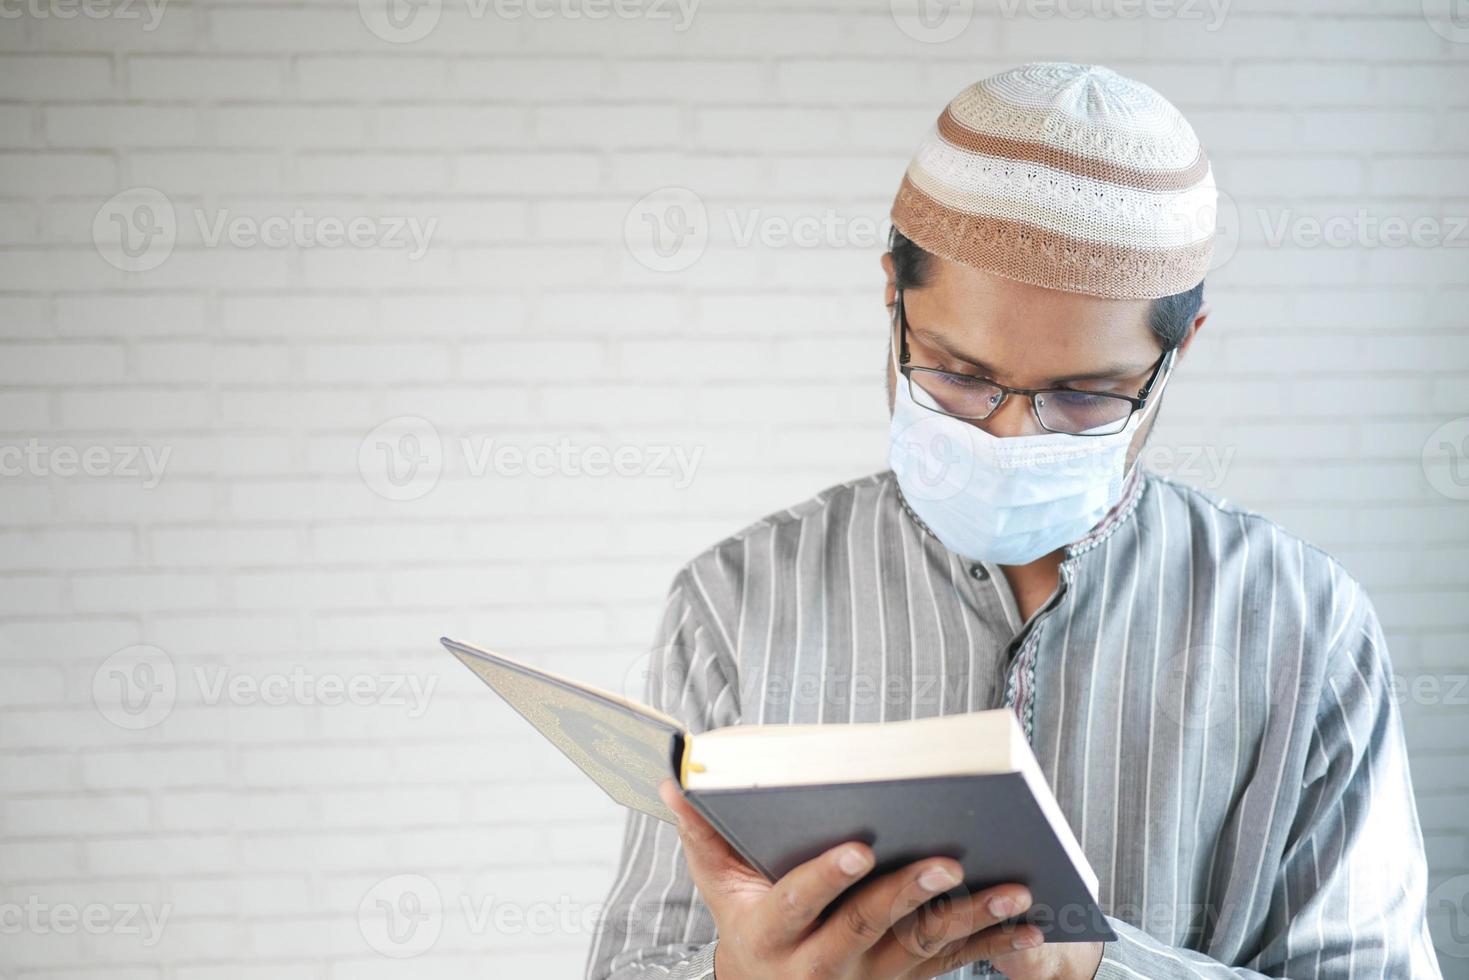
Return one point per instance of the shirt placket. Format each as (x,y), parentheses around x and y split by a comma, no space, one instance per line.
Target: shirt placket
(1020,652)
(1019,668)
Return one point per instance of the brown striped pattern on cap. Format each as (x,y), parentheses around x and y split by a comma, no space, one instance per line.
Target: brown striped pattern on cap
(989,144)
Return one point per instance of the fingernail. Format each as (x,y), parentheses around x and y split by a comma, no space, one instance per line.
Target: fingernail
(853,862)
(1004,906)
(1026,940)
(937,879)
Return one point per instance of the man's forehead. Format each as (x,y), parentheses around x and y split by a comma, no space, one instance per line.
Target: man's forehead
(957,301)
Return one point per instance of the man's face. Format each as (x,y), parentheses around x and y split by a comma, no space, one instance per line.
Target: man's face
(973,322)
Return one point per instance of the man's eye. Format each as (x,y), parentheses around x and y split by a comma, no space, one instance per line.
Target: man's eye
(1067,398)
(962,380)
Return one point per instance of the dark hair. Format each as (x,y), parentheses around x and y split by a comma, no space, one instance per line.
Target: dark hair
(1169,317)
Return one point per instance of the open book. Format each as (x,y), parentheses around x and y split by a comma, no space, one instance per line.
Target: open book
(961,786)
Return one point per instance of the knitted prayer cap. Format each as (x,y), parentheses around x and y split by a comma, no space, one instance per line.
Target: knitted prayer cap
(1065,176)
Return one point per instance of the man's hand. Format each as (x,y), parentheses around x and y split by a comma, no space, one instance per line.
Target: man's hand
(884,930)
(1053,961)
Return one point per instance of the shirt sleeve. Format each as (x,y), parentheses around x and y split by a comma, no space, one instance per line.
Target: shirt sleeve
(654,925)
(1349,899)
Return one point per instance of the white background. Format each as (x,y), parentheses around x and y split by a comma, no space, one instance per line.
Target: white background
(269,558)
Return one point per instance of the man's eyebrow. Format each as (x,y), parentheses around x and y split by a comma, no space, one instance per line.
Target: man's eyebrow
(938,343)
(1117,372)
(1112,372)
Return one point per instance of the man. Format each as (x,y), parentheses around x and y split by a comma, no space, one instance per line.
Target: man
(1207,695)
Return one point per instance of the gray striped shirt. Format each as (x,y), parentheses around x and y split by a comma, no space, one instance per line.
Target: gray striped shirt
(1208,696)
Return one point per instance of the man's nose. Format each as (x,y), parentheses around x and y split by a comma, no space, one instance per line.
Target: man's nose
(1014,417)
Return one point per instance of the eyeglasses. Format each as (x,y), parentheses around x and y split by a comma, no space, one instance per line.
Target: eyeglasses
(1064,410)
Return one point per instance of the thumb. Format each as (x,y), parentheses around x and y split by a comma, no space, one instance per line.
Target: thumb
(709,856)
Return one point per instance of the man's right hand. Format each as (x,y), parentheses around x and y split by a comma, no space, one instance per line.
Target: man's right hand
(882,930)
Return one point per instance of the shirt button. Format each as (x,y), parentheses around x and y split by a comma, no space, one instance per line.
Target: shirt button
(978,573)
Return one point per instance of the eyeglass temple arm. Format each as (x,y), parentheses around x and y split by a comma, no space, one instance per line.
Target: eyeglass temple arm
(901,326)
(1165,363)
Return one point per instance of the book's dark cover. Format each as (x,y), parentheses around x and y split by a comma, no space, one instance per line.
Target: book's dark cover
(990,824)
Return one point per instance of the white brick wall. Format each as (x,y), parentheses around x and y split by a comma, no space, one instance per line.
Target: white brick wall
(268,564)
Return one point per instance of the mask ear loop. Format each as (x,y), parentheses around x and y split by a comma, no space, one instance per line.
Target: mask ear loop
(893,313)
(1155,397)
(893,340)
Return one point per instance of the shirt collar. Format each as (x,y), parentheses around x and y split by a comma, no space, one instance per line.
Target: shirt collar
(1132,494)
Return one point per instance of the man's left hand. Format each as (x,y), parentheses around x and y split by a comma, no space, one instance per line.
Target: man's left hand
(1052,961)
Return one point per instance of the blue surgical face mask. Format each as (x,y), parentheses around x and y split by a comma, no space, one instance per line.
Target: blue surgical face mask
(1010,500)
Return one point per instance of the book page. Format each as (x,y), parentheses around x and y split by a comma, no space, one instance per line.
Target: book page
(626,751)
